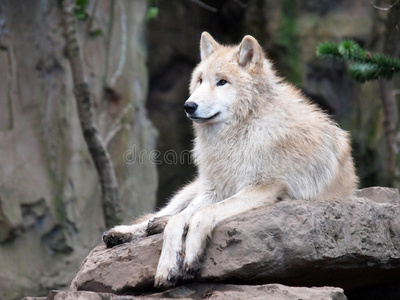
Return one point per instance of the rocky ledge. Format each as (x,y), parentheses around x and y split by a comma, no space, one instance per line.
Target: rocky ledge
(212,291)
(353,244)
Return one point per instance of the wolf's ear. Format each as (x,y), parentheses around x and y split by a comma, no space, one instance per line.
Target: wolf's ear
(207,45)
(250,52)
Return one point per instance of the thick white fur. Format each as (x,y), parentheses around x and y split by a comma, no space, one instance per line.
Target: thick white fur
(265,142)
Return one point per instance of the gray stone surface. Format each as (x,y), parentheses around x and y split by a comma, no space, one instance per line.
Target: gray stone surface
(380,194)
(267,292)
(131,265)
(350,243)
(221,292)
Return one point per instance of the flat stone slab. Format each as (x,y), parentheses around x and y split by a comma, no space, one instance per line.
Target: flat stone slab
(352,243)
(217,291)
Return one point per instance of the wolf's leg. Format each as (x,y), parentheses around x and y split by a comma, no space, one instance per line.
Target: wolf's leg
(204,221)
(126,233)
(157,225)
(169,268)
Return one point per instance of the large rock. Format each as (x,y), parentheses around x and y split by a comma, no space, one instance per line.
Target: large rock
(352,243)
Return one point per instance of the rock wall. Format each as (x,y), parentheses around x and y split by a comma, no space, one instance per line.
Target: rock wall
(289,31)
(50,210)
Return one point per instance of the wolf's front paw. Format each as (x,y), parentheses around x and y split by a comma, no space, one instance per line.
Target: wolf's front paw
(192,267)
(168,270)
(114,237)
(166,278)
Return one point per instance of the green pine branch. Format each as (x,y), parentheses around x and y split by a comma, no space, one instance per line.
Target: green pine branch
(364,66)
(363,72)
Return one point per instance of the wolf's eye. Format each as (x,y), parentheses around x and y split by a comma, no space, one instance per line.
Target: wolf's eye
(200,80)
(222,82)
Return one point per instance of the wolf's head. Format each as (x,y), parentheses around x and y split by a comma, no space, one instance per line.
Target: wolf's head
(228,80)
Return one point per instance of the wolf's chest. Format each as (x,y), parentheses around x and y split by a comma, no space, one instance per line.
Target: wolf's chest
(226,169)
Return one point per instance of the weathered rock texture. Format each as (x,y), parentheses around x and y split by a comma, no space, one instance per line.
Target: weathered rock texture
(353,243)
(217,291)
(267,292)
(50,210)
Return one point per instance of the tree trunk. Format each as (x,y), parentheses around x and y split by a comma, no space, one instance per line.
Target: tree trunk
(390,107)
(97,149)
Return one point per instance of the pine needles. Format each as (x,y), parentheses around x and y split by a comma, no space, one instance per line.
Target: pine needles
(364,66)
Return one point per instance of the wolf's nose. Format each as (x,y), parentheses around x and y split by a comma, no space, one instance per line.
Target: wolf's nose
(190,107)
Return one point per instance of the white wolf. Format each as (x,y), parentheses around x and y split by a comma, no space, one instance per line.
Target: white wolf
(258,140)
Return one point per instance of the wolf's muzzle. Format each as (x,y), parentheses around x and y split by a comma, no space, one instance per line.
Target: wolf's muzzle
(190,107)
